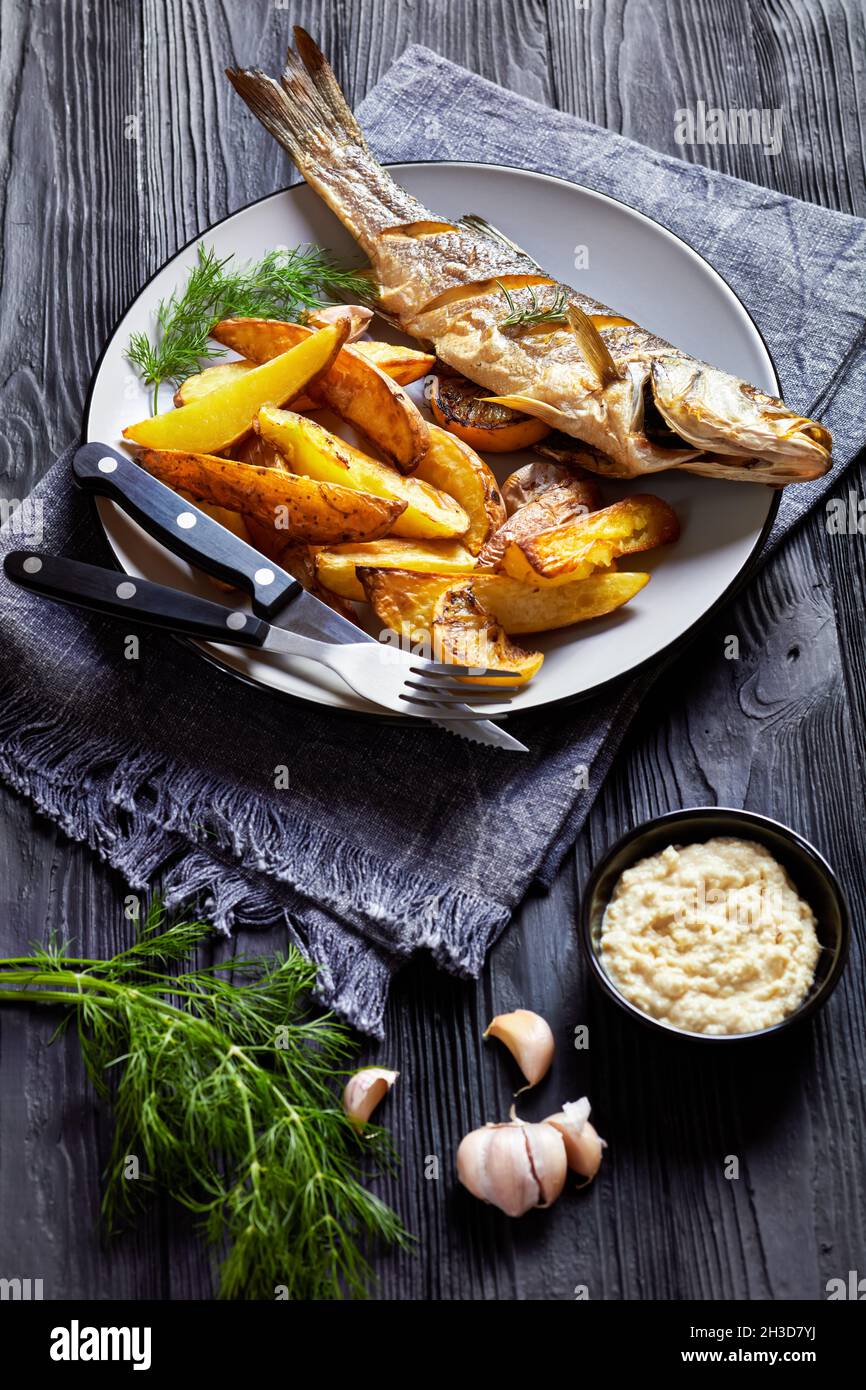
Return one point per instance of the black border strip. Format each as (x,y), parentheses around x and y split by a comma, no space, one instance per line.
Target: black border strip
(660,659)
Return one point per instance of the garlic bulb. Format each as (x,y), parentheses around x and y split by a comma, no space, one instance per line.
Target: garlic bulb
(583,1146)
(529,1040)
(363,1092)
(514,1166)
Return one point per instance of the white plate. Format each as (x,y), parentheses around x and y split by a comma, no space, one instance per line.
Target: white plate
(636,267)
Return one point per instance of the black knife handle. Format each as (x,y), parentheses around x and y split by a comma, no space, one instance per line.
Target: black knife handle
(183,528)
(138,600)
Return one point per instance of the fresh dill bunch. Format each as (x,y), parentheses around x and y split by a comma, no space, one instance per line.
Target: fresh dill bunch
(523,315)
(225,1087)
(283,284)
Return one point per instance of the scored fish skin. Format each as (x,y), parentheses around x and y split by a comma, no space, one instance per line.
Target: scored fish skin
(656,407)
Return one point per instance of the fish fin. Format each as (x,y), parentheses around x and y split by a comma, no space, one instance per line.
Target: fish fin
(592,345)
(269,103)
(326,84)
(474,222)
(305,105)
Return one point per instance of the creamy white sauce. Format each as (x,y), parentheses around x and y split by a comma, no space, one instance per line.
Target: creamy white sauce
(713,937)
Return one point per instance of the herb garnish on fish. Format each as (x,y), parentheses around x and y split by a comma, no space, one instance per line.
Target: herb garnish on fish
(226,1091)
(283,284)
(523,315)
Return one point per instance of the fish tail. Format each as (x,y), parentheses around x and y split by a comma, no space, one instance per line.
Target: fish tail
(307,113)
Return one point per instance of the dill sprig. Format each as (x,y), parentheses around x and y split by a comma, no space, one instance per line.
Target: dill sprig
(283,284)
(224,1087)
(522,315)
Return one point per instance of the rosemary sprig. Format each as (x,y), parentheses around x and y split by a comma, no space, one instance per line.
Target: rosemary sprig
(225,1090)
(523,315)
(283,284)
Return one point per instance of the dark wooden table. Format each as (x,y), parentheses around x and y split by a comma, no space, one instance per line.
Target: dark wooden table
(121,141)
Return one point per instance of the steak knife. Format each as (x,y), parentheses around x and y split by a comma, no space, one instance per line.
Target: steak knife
(194,536)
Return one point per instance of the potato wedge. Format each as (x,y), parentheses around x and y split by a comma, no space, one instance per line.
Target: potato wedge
(337,568)
(463,631)
(529,481)
(257,451)
(455,468)
(354,387)
(581,547)
(406,601)
(306,510)
(402,364)
(554,507)
(309,449)
(210,379)
(220,418)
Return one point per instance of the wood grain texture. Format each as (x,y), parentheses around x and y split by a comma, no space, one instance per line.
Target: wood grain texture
(121,143)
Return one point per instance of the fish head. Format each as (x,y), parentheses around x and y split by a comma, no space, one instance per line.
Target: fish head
(721,415)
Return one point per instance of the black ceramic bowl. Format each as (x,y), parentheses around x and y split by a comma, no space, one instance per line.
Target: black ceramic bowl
(810,873)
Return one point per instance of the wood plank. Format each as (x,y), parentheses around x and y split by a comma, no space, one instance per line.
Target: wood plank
(780,730)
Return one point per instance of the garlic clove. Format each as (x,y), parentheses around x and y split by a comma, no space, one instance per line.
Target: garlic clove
(493,1164)
(363,1092)
(549,1160)
(583,1145)
(529,1040)
(515,1166)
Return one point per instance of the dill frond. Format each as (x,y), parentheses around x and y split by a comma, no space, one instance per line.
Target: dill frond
(225,1087)
(283,284)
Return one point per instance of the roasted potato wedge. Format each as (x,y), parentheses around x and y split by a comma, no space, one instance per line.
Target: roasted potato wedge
(455,468)
(532,479)
(458,407)
(337,568)
(554,507)
(312,450)
(406,602)
(403,365)
(463,631)
(445,614)
(210,379)
(257,451)
(579,548)
(354,388)
(219,419)
(307,510)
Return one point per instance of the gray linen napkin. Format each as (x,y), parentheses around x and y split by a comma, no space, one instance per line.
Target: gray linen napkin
(389,840)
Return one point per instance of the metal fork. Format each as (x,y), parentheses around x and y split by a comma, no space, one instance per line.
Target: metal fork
(387,675)
(384,675)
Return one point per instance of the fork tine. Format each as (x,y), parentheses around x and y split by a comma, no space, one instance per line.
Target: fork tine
(434,698)
(446,668)
(451,688)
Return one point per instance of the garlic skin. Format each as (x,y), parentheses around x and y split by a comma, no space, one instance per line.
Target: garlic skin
(513,1166)
(529,1040)
(363,1092)
(583,1145)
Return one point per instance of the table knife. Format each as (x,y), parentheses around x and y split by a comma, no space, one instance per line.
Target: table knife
(194,536)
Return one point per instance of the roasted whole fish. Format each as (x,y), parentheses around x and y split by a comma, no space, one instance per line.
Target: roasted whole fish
(592,373)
